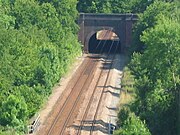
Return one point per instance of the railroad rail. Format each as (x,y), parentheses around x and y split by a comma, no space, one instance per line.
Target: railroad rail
(61,120)
(99,103)
(93,94)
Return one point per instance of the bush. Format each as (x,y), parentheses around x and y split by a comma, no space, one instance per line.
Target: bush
(133,126)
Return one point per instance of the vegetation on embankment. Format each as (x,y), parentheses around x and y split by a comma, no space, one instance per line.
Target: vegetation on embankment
(38,41)
(128,122)
(155,65)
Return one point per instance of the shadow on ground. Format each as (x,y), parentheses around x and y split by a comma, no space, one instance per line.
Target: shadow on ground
(100,125)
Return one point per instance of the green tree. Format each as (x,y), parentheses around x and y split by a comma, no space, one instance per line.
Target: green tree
(148,19)
(67,14)
(163,49)
(87,6)
(133,126)
(113,6)
(157,73)
(13,111)
(37,48)
(6,21)
(27,13)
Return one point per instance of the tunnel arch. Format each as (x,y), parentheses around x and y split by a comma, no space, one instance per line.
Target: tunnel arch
(92,38)
(122,25)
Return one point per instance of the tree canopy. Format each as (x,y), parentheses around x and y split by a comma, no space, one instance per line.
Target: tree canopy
(155,65)
(38,41)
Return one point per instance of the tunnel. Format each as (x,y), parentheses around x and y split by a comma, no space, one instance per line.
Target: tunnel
(104,41)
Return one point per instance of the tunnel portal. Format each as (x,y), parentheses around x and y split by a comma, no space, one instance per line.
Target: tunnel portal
(90,23)
(104,41)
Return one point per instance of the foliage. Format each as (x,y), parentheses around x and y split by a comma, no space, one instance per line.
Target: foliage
(163,46)
(127,80)
(133,126)
(113,6)
(156,67)
(13,111)
(148,19)
(87,6)
(6,21)
(37,47)
(123,115)
(8,131)
(162,66)
(157,73)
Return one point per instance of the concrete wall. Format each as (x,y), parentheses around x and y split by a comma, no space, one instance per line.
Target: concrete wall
(121,24)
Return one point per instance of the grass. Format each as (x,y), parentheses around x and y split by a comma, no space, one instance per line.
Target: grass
(127,89)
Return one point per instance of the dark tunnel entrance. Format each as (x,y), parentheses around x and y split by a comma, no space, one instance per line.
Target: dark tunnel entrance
(104,42)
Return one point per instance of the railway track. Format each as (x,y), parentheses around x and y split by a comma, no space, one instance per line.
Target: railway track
(93,122)
(59,124)
(63,115)
(100,100)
